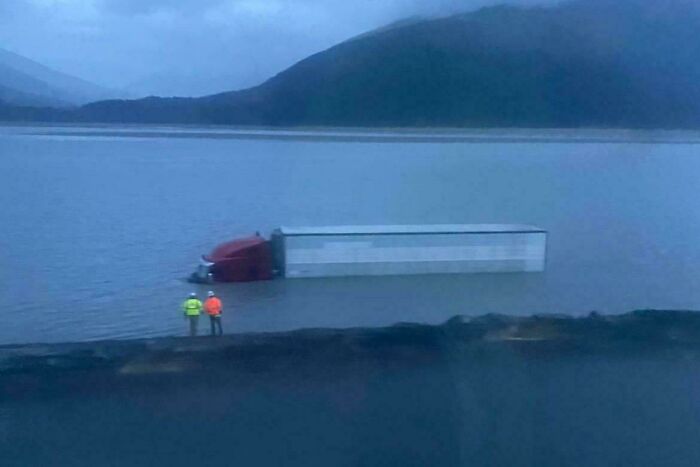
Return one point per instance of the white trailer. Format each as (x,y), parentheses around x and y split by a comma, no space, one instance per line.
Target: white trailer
(301,252)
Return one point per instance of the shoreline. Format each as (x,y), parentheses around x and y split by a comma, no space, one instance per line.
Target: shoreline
(487,388)
(476,135)
(637,330)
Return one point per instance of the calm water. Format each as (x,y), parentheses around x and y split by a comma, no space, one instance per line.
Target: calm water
(98,227)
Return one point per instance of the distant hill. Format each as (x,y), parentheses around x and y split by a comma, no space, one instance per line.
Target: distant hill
(24,82)
(603,63)
(189,82)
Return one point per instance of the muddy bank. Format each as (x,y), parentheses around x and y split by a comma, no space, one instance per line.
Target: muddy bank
(411,343)
(493,390)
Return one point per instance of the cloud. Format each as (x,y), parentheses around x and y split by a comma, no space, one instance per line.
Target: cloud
(147,7)
(213,45)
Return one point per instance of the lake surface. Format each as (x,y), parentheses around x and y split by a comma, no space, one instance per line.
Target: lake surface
(99,226)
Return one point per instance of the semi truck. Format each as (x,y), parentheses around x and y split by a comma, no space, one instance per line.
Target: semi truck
(376,250)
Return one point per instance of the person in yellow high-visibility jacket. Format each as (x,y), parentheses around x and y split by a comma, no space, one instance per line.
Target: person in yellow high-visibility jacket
(192,308)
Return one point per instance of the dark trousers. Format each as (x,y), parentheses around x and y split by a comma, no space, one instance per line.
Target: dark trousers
(215,322)
(194,324)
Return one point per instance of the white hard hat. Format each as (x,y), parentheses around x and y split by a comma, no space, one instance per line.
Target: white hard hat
(193,294)
(210,293)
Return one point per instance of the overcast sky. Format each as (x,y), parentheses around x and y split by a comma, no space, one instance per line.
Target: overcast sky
(201,46)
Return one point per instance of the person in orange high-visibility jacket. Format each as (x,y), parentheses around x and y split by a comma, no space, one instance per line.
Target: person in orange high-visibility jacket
(214,308)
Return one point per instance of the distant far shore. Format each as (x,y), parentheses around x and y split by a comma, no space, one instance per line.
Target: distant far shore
(357,134)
